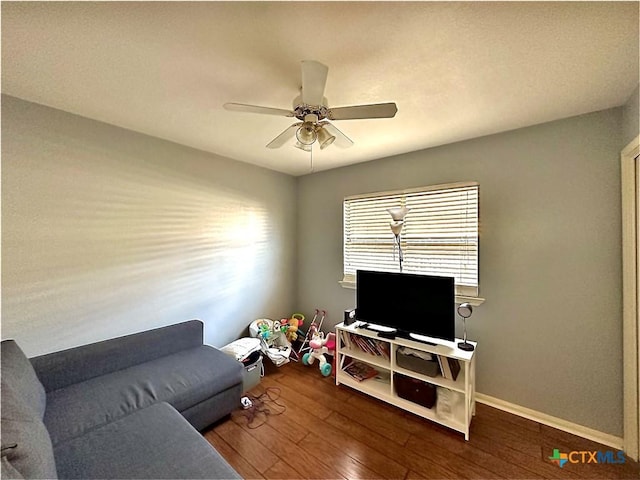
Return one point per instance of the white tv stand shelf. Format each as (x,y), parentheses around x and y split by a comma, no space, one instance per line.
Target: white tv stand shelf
(458,415)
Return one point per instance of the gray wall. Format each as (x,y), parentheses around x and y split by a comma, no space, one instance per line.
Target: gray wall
(631,117)
(107,232)
(550,331)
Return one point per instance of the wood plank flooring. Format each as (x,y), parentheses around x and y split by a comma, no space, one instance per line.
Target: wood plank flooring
(317,430)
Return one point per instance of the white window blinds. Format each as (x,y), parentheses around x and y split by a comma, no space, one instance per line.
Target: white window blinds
(439,237)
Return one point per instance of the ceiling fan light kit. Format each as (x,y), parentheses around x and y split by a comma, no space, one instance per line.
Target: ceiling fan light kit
(325,138)
(301,146)
(306,134)
(311,109)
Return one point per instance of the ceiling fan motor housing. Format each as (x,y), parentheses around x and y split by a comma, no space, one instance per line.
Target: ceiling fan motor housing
(302,110)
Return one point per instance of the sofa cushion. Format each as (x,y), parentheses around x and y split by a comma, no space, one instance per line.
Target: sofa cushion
(155,442)
(25,443)
(183,379)
(18,373)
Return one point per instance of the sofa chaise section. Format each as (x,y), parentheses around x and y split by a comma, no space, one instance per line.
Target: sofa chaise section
(121,408)
(86,389)
(155,442)
(184,379)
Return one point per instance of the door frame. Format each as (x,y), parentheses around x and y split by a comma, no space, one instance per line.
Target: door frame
(630,173)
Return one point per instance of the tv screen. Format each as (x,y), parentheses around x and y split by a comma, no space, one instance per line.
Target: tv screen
(409,303)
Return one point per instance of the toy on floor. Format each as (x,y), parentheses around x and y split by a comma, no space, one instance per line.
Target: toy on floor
(273,341)
(291,326)
(303,346)
(320,345)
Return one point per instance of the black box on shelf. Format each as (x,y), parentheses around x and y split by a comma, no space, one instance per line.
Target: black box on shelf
(349,316)
(414,390)
(405,359)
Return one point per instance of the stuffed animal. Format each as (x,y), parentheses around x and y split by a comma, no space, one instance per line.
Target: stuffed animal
(320,345)
(293,324)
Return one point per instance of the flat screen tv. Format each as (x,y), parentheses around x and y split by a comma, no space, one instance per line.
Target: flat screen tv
(408,303)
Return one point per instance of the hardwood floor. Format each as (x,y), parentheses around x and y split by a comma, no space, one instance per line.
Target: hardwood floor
(317,430)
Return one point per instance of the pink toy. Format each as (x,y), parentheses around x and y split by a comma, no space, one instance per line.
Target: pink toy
(320,345)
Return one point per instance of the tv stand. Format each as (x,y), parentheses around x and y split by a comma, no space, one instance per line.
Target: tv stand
(461,392)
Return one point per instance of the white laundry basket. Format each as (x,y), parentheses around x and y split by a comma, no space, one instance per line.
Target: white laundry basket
(247,351)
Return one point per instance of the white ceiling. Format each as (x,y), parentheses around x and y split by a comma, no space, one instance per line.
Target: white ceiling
(456,70)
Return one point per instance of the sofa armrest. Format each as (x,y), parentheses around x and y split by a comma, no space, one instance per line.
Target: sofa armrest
(67,367)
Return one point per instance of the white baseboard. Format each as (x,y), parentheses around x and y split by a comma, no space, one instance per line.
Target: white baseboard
(555,422)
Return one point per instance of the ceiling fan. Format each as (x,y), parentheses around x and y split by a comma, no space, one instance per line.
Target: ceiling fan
(314,114)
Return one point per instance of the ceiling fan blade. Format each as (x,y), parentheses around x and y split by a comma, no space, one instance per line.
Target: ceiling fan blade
(377,110)
(314,79)
(341,140)
(241,107)
(284,137)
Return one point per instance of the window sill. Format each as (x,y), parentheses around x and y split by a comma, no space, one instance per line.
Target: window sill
(475,301)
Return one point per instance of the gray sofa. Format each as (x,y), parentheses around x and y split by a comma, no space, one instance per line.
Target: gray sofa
(128,407)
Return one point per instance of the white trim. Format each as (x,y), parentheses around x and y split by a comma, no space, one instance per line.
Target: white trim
(429,188)
(475,301)
(630,336)
(555,422)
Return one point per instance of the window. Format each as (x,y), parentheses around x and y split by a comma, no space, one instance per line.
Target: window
(439,236)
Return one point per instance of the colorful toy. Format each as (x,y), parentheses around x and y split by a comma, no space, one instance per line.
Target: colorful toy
(272,340)
(320,345)
(265,330)
(304,345)
(291,326)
